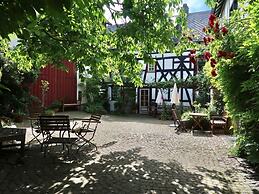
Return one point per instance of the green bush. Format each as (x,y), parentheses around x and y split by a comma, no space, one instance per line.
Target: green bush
(48,112)
(14,96)
(56,105)
(166,112)
(235,74)
(94,95)
(95,108)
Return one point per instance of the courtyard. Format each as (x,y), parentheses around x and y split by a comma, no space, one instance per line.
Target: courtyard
(136,154)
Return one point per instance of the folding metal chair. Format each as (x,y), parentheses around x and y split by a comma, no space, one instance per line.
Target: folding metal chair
(86,130)
(181,124)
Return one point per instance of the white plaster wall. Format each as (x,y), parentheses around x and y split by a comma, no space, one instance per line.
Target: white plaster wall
(158,55)
(168,64)
(160,62)
(150,77)
(153,93)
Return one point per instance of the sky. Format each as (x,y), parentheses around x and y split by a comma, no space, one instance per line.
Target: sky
(196,5)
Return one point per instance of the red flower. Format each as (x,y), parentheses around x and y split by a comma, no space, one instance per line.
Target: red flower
(205,40)
(212,65)
(213,73)
(224,30)
(207,55)
(226,55)
(216,28)
(230,55)
(193,60)
(213,62)
(221,54)
(211,23)
(212,17)
(192,57)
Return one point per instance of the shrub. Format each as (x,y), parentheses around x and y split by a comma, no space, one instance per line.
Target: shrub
(94,95)
(166,112)
(48,112)
(232,56)
(95,108)
(56,105)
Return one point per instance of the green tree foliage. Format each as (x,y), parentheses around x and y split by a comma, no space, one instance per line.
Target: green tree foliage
(82,34)
(16,71)
(211,3)
(14,95)
(233,53)
(15,14)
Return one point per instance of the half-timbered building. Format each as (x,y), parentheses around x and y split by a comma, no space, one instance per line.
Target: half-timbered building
(168,66)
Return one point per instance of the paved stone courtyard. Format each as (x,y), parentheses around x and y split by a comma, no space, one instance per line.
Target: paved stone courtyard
(136,154)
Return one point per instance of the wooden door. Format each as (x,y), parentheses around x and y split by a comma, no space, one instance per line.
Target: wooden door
(144,101)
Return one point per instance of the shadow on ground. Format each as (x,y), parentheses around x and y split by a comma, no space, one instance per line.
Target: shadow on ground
(117,172)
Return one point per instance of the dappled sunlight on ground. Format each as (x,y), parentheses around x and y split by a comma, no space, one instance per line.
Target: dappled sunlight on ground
(135,155)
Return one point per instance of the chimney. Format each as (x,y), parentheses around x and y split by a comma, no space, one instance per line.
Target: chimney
(186,8)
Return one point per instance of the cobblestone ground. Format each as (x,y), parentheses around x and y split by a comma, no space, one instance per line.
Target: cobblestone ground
(136,154)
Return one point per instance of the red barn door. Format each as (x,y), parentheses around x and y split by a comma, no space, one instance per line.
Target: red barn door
(62,84)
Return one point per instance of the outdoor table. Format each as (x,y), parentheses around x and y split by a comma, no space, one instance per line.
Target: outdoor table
(12,134)
(197,117)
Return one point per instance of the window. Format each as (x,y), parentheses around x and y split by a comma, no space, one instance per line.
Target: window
(151,67)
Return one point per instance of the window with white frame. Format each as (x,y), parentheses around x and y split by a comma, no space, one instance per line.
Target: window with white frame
(151,67)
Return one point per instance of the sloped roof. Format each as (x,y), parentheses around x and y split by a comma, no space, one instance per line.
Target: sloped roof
(197,21)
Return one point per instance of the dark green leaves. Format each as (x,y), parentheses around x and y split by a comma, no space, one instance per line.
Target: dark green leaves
(83,36)
(15,14)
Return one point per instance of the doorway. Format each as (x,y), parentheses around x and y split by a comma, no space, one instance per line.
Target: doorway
(144,101)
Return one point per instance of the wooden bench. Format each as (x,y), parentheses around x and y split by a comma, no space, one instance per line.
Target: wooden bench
(219,124)
(13,135)
(77,105)
(55,130)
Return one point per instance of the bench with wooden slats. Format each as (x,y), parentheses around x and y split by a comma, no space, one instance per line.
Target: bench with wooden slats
(13,135)
(66,105)
(55,130)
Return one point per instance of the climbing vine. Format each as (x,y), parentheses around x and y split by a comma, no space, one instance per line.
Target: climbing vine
(230,50)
